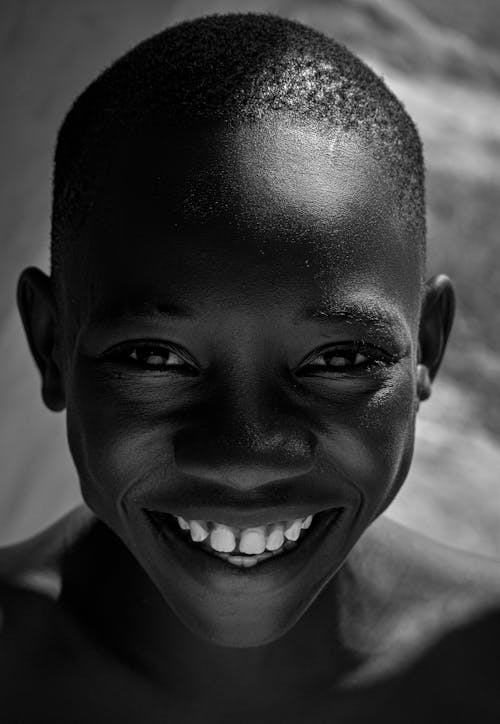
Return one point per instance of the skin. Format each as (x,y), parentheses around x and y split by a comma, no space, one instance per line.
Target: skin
(241,257)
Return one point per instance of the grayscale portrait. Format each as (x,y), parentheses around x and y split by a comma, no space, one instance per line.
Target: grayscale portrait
(251,370)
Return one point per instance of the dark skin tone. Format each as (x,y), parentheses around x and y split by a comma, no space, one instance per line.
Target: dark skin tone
(192,350)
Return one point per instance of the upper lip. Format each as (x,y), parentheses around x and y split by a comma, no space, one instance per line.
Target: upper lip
(243,517)
(270,503)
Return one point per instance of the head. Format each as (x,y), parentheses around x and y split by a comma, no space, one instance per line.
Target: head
(237,320)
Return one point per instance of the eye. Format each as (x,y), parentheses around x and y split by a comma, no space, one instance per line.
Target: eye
(151,357)
(352,357)
(156,357)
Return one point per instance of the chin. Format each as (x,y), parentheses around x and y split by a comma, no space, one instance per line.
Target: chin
(248,628)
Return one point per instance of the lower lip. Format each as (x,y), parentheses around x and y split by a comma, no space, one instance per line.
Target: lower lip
(272,570)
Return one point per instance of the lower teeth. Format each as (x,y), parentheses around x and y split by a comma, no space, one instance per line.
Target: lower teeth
(246,561)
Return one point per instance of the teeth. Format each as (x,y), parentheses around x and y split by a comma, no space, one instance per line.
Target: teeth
(307,522)
(275,539)
(292,529)
(250,541)
(243,561)
(253,541)
(182,523)
(222,539)
(198,530)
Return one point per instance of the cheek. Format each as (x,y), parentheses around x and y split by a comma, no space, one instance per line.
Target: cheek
(373,443)
(116,447)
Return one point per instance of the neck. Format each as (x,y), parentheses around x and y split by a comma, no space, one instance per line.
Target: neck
(115,600)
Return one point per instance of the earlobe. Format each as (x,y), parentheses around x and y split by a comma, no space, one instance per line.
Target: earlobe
(424,386)
(37,307)
(438,311)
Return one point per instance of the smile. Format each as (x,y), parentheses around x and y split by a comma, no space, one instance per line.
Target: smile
(241,547)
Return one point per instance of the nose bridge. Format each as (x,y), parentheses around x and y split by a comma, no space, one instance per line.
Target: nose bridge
(249,434)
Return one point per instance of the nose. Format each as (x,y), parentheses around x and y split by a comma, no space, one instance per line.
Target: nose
(245,444)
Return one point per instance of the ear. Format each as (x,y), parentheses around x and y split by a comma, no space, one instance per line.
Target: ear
(37,306)
(438,311)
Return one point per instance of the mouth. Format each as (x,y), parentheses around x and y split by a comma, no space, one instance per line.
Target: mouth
(242,547)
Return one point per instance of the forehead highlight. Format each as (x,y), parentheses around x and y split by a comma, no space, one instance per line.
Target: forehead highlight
(294,180)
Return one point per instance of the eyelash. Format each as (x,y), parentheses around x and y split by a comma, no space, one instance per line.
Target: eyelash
(373,358)
(124,354)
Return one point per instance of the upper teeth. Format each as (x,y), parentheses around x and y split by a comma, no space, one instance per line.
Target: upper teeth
(252,541)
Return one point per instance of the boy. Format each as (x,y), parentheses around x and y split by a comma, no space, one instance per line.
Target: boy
(238,327)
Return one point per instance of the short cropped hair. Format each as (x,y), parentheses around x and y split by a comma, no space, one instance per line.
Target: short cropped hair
(235,67)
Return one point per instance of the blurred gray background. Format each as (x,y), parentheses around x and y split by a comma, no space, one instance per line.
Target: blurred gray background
(442,58)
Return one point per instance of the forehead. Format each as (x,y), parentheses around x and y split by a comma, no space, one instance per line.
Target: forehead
(266,215)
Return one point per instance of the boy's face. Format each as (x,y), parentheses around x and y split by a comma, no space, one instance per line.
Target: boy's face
(241,347)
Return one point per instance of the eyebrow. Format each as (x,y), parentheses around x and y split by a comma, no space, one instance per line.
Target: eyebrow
(369,313)
(141,310)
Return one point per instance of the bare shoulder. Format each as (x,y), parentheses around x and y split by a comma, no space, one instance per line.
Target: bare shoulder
(436,587)
(30,585)
(48,659)
(442,567)
(445,628)
(34,564)
(413,595)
